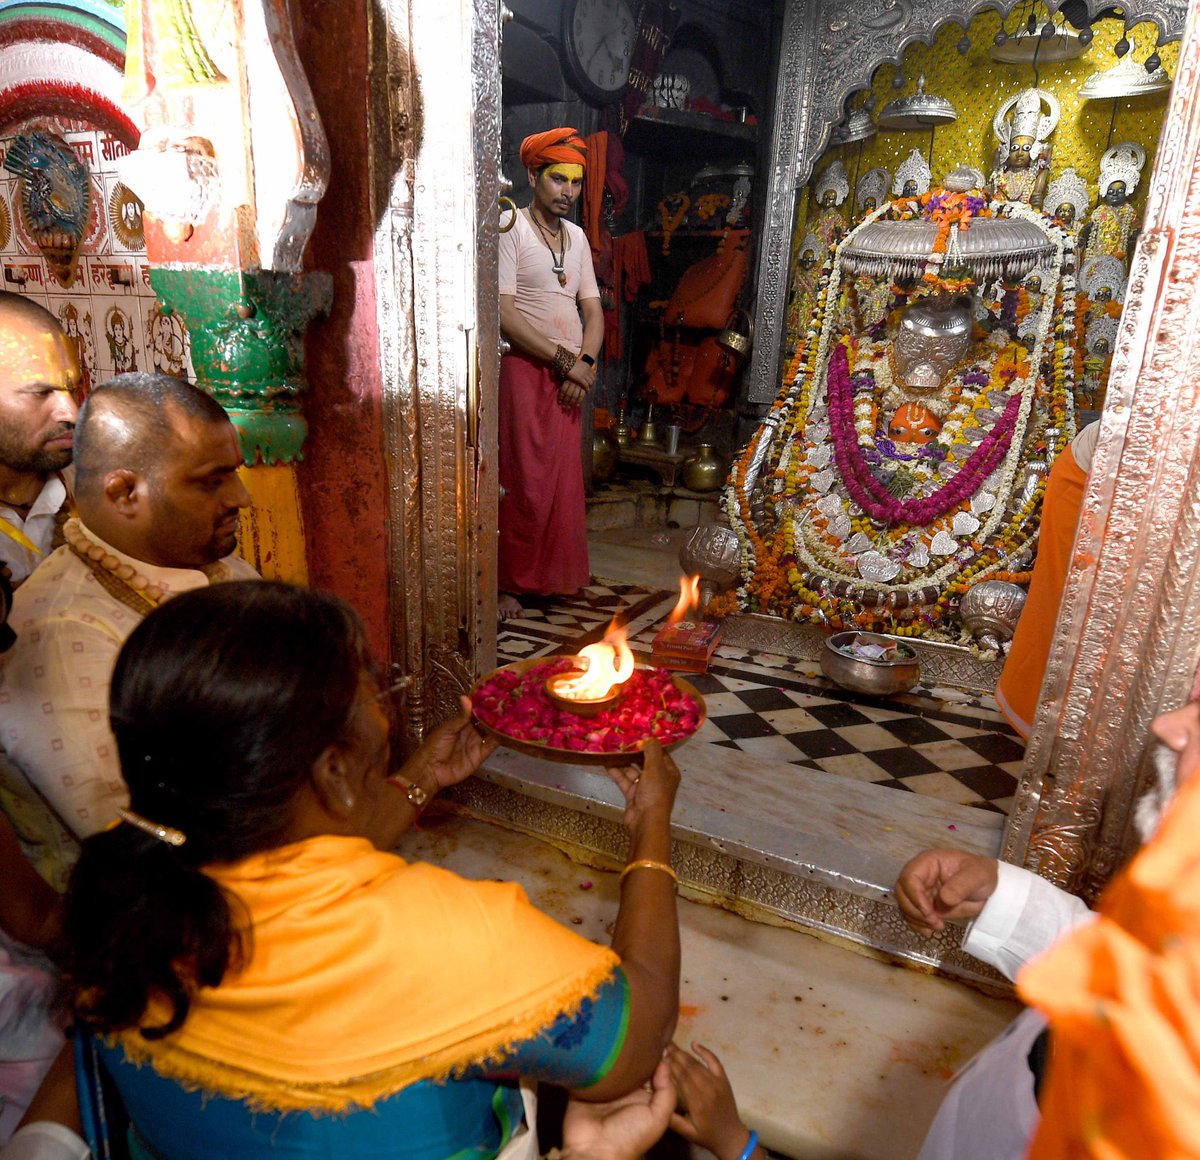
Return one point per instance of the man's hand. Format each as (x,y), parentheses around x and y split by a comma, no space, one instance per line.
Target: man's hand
(621,1129)
(581,375)
(939,886)
(570,395)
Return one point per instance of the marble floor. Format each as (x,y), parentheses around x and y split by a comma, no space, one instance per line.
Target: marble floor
(832,1055)
(941,743)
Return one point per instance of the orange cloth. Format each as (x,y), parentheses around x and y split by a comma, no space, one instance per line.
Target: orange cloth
(1021,680)
(1123,998)
(368,974)
(563,145)
(593,197)
(631,271)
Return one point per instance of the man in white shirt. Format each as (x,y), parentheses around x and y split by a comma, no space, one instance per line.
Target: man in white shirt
(991,1110)
(38,373)
(158,496)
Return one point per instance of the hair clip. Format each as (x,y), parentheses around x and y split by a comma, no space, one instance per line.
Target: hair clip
(166,834)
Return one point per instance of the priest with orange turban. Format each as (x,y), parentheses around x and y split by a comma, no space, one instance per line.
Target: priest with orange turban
(551,316)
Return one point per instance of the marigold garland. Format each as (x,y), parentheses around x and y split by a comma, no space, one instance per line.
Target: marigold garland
(815,512)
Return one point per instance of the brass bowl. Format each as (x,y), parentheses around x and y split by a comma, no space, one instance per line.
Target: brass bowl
(575,756)
(581,707)
(875,678)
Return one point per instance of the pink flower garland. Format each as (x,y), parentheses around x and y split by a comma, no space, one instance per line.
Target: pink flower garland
(871,495)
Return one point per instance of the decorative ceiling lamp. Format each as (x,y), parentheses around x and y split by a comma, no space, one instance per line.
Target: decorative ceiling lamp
(1045,43)
(988,248)
(857,126)
(1126,78)
(920,111)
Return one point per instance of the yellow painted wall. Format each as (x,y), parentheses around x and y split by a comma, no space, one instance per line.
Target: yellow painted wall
(977,85)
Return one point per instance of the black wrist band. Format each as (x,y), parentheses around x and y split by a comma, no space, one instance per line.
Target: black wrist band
(587,358)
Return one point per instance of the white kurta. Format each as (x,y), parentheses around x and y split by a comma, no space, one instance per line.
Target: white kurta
(60,779)
(37,526)
(990,1112)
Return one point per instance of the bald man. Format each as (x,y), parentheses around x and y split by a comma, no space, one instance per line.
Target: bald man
(38,374)
(158,495)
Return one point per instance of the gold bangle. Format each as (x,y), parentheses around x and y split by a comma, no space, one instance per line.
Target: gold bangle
(650,864)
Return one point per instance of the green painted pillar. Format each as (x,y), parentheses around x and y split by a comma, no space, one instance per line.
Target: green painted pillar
(247,330)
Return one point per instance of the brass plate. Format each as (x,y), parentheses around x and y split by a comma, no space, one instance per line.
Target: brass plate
(575,756)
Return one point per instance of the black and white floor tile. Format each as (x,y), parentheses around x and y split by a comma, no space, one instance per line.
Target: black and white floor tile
(943,743)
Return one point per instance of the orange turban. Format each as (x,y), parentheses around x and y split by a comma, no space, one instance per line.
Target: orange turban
(556,146)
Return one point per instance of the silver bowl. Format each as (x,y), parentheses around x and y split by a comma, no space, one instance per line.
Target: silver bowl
(876,678)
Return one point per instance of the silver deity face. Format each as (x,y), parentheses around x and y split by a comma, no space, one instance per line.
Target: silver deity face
(931,341)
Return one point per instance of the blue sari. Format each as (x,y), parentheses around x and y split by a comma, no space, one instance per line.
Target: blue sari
(469,1117)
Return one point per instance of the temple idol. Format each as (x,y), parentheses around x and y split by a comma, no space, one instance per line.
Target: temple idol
(865,273)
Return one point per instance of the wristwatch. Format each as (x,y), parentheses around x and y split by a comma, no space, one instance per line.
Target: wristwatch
(587,358)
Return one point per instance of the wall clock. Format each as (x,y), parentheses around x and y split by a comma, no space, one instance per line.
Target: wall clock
(598,38)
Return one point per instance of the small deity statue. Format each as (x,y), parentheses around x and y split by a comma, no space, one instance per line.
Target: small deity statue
(1112,228)
(832,189)
(1034,284)
(913,176)
(806,272)
(871,190)
(1023,157)
(1097,360)
(1102,280)
(1067,199)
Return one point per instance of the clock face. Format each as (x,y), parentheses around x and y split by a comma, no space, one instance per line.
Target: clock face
(599,36)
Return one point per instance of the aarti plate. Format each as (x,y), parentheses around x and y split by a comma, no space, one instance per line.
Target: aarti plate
(615,757)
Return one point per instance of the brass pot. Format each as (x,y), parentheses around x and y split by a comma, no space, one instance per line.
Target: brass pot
(704,471)
(648,435)
(604,456)
(621,432)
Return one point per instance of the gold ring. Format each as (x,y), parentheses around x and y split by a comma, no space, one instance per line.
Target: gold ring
(508,201)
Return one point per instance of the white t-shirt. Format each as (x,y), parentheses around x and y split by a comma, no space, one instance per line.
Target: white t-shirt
(526,270)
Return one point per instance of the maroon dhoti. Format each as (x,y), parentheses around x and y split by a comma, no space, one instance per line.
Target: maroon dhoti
(543,531)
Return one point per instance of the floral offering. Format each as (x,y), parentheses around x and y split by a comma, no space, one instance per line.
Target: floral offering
(513,703)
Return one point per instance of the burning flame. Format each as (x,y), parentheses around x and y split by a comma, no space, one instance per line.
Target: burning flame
(609,664)
(689,599)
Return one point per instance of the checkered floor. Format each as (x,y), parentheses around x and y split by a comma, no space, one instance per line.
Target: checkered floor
(943,743)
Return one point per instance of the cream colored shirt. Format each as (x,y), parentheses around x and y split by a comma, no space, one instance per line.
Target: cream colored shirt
(38,526)
(526,272)
(60,779)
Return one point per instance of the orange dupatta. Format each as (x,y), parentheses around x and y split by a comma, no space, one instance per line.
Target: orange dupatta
(368,974)
(1123,998)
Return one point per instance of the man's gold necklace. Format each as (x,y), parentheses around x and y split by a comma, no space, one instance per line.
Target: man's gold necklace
(557,259)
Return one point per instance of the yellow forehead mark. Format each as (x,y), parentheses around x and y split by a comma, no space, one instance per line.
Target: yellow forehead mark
(566,170)
(29,355)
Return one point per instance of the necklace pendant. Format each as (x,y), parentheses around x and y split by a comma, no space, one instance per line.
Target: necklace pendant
(558,268)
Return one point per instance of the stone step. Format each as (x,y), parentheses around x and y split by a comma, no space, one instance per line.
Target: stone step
(768,840)
(832,1055)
